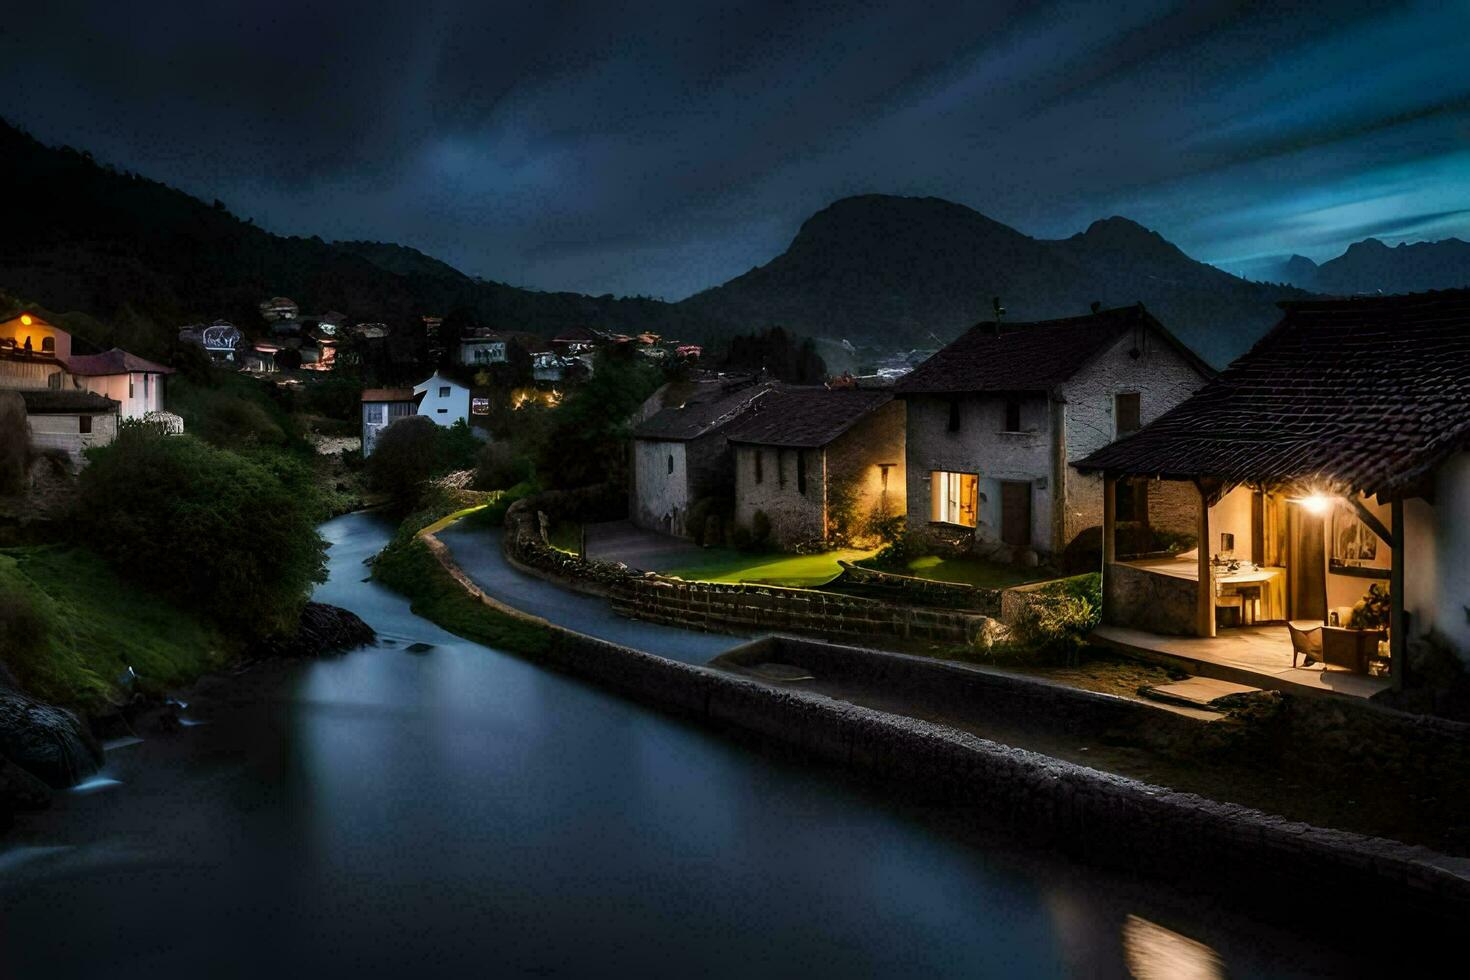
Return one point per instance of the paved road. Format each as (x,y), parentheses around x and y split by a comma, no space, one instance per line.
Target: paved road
(648,550)
(478,553)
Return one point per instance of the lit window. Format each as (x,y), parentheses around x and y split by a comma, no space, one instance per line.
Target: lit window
(956,497)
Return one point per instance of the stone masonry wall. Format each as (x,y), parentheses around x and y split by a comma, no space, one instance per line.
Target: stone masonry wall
(796,518)
(855,462)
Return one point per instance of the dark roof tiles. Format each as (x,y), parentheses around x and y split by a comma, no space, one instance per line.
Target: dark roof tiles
(1364,394)
(806,418)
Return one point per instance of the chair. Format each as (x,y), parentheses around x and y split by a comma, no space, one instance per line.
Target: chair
(1306,642)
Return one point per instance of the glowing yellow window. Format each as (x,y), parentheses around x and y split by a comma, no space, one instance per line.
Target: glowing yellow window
(955,496)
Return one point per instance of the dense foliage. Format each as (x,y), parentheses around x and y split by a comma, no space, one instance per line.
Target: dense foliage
(231,536)
(14,443)
(782,355)
(589,435)
(414,450)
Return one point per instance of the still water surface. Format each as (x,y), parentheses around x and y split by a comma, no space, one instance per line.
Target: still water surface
(461,812)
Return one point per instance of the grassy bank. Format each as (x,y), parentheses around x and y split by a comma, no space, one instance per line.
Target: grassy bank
(408,567)
(75,626)
(772,568)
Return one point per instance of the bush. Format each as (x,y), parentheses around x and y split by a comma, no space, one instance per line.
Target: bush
(458,447)
(22,627)
(500,465)
(760,529)
(1058,618)
(235,413)
(405,458)
(232,537)
(15,443)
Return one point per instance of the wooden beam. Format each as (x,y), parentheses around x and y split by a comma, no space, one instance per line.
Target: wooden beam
(1398,627)
(1109,536)
(1369,518)
(1204,608)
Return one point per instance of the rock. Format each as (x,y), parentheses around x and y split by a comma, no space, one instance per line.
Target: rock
(983,633)
(19,790)
(47,741)
(322,629)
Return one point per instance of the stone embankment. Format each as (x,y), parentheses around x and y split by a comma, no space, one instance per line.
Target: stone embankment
(1110,818)
(734,608)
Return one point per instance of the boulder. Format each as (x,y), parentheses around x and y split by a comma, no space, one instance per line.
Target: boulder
(47,741)
(323,629)
(19,790)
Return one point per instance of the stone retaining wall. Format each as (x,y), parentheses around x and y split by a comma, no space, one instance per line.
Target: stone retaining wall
(919,591)
(1110,818)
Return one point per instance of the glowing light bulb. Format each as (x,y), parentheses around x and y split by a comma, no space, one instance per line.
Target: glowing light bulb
(25,319)
(1316,504)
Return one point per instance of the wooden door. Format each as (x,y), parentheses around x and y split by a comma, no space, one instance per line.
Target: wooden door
(1306,567)
(1015,513)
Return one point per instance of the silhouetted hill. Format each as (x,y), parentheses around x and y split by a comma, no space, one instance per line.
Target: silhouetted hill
(1370,266)
(892,270)
(124,249)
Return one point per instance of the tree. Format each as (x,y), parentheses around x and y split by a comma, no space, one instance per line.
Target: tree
(588,442)
(405,457)
(206,527)
(779,353)
(15,443)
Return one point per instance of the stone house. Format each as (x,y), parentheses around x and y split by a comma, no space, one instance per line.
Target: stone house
(69,421)
(680,452)
(135,383)
(822,464)
(996,419)
(381,407)
(1330,459)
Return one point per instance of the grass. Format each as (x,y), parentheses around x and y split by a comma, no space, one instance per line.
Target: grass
(768,568)
(93,625)
(968,571)
(407,566)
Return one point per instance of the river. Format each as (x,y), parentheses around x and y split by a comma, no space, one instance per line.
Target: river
(459,812)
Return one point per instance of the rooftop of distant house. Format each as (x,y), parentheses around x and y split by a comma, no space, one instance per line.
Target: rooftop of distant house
(696,408)
(1367,394)
(115,361)
(806,417)
(1005,357)
(388,395)
(65,401)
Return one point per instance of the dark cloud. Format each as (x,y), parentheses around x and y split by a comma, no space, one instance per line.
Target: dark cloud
(659,148)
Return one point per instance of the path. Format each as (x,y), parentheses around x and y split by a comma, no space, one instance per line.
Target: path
(478,553)
(639,548)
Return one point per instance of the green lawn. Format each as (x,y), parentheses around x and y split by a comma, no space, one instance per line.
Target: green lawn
(767,568)
(970,571)
(89,624)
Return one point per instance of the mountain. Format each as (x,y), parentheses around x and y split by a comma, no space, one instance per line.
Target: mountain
(141,258)
(889,270)
(138,258)
(1299,271)
(1370,266)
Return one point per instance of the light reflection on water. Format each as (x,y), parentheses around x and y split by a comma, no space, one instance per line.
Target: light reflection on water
(462,812)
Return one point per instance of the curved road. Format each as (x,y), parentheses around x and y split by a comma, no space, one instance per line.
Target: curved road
(478,553)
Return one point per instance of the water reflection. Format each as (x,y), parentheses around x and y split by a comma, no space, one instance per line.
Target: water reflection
(465,813)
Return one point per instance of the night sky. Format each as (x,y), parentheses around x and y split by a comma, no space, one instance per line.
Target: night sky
(660,148)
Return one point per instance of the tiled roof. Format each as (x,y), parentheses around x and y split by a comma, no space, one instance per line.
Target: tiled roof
(1030,356)
(387,394)
(67,401)
(1366,394)
(115,361)
(710,407)
(806,418)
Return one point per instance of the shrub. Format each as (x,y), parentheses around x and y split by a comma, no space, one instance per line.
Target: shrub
(22,627)
(499,465)
(1058,618)
(458,447)
(760,529)
(406,456)
(232,537)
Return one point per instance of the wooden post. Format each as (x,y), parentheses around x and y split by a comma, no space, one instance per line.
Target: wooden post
(1398,638)
(1204,607)
(1109,536)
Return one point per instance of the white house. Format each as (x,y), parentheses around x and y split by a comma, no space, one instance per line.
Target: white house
(444,400)
(135,383)
(381,407)
(997,418)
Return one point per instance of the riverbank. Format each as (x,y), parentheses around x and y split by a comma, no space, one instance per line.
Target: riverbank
(1145,826)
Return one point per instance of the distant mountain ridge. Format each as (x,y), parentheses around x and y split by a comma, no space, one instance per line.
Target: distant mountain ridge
(890,272)
(920,270)
(1370,266)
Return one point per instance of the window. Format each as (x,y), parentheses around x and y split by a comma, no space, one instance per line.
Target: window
(671,462)
(956,497)
(130,386)
(374,413)
(48,345)
(84,424)
(1126,412)
(1013,415)
(801,471)
(442,411)
(443,391)
(954,415)
(759,468)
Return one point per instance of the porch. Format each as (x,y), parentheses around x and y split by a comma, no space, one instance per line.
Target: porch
(1258,656)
